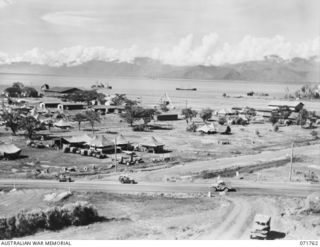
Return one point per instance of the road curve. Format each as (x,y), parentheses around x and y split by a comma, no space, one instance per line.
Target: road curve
(244,188)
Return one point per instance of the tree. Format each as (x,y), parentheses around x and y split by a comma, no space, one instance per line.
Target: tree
(29,92)
(188,114)
(134,112)
(92,117)
(303,117)
(284,112)
(274,118)
(80,117)
(30,125)
(164,107)
(12,120)
(18,85)
(119,99)
(206,114)
(86,96)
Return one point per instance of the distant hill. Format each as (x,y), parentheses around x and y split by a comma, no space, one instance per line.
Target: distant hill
(272,68)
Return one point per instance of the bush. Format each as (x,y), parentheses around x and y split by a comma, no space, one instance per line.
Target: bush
(26,223)
(192,127)
(276,128)
(222,120)
(313,203)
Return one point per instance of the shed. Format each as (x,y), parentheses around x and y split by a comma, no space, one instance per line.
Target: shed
(167,117)
(10,151)
(293,105)
(49,105)
(152,144)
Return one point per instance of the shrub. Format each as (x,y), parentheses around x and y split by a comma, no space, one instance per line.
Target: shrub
(276,128)
(314,134)
(222,120)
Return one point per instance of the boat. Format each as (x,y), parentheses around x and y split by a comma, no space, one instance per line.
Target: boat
(187,89)
(97,85)
(101,85)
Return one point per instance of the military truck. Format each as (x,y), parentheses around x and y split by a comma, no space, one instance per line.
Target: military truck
(220,185)
(261,227)
(126,180)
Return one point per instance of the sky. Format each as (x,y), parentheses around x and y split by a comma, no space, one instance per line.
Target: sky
(180,32)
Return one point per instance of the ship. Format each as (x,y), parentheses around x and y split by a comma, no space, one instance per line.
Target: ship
(187,89)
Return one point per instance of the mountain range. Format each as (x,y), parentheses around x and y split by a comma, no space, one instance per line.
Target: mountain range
(271,68)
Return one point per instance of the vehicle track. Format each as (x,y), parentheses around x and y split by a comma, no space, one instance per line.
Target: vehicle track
(235,224)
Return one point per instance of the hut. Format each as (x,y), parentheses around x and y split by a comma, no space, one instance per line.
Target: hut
(152,144)
(62,124)
(101,143)
(9,151)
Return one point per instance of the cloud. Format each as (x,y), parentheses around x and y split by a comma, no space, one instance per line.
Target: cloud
(70,18)
(209,51)
(5,3)
(214,52)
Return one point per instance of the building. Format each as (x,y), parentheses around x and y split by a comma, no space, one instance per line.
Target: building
(295,106)
(60,91)
(49,105)
(106,109)
(71,106)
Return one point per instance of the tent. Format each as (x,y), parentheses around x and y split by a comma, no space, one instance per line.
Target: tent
(101,143)
(122,142)
(208,129)
(225,112)
(9,151)
(79,139)
(62,124)
(152,144)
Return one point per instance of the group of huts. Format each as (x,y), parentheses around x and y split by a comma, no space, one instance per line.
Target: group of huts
(100,144)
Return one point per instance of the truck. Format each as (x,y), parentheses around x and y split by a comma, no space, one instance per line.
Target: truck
(65,178)
(220,186)
(126,180)
(261,227)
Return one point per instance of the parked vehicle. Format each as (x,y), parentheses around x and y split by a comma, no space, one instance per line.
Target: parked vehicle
(220,185)
(65,178)
(261,227)
(127,180)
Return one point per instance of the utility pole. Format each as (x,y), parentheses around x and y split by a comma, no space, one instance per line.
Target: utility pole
(291,161)
(115,153)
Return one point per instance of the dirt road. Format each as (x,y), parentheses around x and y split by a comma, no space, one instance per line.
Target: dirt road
(242,187)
